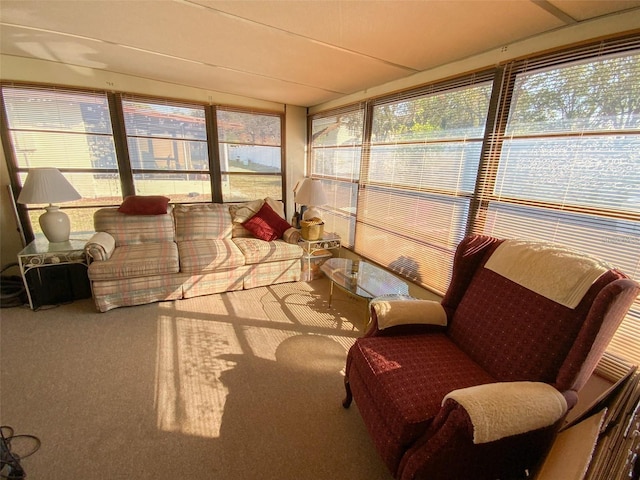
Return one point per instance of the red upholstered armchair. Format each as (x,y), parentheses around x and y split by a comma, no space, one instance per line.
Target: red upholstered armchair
(477,386)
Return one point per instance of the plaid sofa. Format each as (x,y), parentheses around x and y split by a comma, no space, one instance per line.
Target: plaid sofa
(191,250)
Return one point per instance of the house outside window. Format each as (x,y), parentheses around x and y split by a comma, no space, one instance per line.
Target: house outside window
(167,144)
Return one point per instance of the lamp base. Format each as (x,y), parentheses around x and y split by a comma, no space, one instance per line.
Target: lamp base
(310,213)
(55,224)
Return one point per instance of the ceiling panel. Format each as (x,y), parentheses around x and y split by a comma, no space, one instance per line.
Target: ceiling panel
(301,52)
(416,34)
(84,52)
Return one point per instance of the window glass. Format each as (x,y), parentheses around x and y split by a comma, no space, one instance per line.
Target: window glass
(168,149)
(569,167)
(421,174)
(336,151)
(250,155)
(71,131)
(243,188)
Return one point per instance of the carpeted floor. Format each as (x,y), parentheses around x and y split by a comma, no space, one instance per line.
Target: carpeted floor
(237,386)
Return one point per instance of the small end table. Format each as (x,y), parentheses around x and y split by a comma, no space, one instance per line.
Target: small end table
(41,254)
(313,249)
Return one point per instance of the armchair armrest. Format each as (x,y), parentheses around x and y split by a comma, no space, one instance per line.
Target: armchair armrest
(391,313)
(457,432)
(291,235)
(100,246)
(499,410)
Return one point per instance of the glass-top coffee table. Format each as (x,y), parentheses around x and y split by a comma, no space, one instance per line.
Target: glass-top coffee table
(369,282)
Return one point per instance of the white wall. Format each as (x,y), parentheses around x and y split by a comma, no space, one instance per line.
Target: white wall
(10,239)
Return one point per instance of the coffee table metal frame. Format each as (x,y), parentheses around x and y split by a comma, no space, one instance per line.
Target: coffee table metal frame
(369,282)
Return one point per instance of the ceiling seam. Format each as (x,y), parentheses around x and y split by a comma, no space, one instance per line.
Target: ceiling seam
(165,55)
(555,11)
(298,35)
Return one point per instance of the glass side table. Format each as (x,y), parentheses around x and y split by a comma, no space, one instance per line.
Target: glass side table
(40,258)
(316,252)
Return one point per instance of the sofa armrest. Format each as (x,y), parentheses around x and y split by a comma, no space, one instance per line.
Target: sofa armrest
(291,235)
(100,246)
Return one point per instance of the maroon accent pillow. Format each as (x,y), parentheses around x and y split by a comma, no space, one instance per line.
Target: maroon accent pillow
(144,205)
(266,224)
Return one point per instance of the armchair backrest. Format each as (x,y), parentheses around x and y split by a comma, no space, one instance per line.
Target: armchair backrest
(516,334)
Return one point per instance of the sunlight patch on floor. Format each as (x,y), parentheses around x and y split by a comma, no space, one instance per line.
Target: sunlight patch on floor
(190,397)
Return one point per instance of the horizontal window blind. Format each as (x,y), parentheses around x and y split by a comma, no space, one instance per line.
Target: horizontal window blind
(419,176)
(336,153)
(69,130)
(565,166)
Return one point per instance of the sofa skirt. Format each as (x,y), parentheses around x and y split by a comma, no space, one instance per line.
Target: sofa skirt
(263,274)
(123,292)
(215,282)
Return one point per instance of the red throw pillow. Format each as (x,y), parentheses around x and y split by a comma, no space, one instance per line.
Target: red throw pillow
(144,205)
(266,225)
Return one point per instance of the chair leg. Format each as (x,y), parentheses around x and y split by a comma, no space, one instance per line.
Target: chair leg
(346,403)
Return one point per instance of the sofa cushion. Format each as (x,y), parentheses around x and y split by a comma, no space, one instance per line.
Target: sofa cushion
(406,381)
(198,256)
(141,260)
(133,229)
(203,221)
(242,212)
(267,224)
(144,205)
(259,251)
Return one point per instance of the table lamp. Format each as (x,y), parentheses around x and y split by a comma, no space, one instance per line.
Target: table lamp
(312,195)
(48,185)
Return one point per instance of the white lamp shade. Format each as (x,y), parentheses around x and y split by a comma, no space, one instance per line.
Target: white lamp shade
(47,185)
(311,193)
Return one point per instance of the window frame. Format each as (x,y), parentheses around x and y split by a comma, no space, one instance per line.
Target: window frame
(504,76)
(124,170)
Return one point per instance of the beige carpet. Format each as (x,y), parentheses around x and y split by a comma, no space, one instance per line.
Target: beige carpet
(243,385)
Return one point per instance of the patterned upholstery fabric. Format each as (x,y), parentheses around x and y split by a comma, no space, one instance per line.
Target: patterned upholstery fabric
(403,373)
(502,326)
(209,255)
(498,332)
(261,274)
(147,265)
(109,294)
(134,229)
(259,251)
(214,282)
(137,261)
(504,334)
(205,221)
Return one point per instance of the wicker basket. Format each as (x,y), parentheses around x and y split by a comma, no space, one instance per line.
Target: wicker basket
(312,229)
